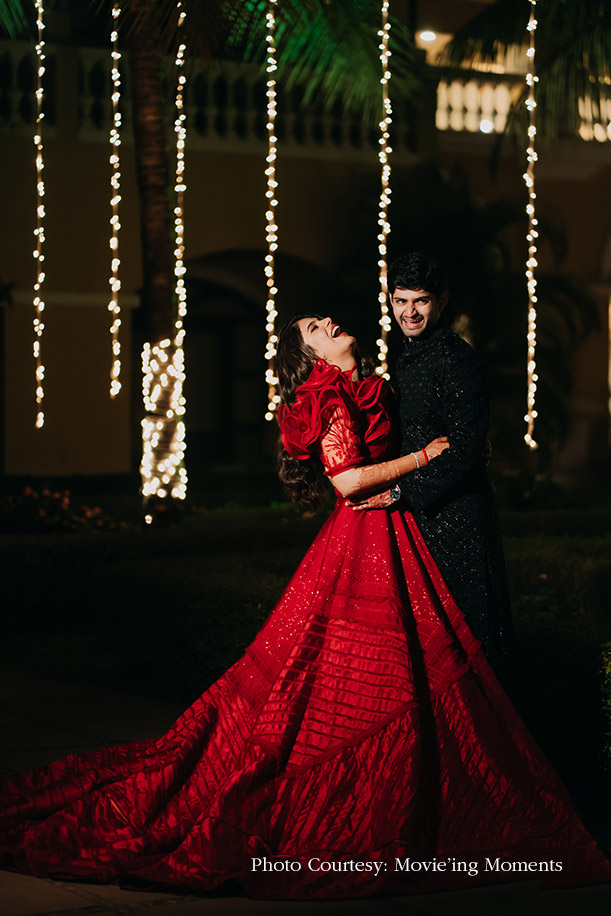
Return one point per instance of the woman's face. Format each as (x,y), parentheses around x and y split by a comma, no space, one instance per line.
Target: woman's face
(329,341)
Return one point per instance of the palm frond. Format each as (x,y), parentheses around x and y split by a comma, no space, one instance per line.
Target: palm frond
(331,52)
(566,295)
(203,28)
(577,71)
(12,17)
(573,57)
(553,368)
(494,29)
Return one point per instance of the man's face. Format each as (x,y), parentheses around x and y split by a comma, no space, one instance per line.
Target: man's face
(416,309)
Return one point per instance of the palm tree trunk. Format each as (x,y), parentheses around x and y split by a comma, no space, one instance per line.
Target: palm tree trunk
(162,469)
(153,180)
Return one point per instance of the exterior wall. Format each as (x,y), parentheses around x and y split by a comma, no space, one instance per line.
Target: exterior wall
(573,184)
(85,432)
(321,213)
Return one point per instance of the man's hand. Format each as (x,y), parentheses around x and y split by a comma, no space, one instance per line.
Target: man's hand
(379,501)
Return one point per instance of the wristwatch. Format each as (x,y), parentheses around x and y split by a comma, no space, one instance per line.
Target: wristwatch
(395,493)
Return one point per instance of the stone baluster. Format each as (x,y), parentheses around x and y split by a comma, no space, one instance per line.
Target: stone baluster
(471,106)
(487,108)
(218,108)
(12,56)
(88,59)
(502,97)
(442,114)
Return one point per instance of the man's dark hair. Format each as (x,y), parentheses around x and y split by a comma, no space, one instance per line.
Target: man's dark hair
(417,270)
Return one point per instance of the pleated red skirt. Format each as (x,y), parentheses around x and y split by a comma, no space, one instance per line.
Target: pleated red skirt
(361,746)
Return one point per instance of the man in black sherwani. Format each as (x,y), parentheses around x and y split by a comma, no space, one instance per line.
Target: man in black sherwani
(442,390)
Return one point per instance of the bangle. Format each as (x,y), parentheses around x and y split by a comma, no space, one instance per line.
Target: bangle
(417,460)
(426,457)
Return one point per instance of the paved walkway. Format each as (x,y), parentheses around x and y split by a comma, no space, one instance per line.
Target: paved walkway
(43,720)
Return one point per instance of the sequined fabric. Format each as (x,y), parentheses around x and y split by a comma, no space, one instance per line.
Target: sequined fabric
(443,392)
(362,727)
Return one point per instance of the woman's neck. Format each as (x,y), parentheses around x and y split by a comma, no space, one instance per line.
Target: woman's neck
(345,362)
(345,365)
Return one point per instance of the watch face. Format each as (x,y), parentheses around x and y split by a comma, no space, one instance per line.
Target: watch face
(395,494)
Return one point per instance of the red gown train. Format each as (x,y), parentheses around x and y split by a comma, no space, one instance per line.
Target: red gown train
(360,743)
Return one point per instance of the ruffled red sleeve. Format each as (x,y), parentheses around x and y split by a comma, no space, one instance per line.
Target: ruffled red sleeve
(327,419)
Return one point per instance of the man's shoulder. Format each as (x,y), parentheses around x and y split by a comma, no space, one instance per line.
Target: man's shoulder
(444,348)
(450,342)
(453,349)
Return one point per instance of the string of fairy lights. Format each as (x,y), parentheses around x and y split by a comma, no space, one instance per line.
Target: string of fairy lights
(532,235)
(39,231)
(163,365)
(271,232)
(272,202)
(115,198)
(383,223)
(180,187)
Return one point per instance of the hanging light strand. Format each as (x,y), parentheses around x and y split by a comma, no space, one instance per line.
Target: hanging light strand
(39,231)
(115,199)
(180,187)
(533,234)
(270,215)
(383,223)
(163,364)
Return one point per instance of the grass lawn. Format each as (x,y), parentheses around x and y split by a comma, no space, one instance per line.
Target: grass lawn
(164,612)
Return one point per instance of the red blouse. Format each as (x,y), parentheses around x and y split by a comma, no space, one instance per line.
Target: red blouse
(343,423)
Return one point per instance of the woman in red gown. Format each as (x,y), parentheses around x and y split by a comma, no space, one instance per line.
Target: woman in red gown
(361,746)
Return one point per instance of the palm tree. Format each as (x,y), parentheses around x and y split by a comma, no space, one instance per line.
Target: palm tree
(328,48)
(573,55)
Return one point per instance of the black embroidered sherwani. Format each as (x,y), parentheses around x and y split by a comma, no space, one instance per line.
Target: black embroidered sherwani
(442,390)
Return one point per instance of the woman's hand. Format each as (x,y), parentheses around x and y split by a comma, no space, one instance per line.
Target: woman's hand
(379,501)
(436,447)
(383,500)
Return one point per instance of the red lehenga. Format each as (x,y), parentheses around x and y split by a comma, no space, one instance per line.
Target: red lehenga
(361,729)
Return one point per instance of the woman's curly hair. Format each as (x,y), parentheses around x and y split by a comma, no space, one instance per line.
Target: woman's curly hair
(302,480)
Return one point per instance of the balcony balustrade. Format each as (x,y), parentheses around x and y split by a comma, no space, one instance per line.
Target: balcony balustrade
(226,107)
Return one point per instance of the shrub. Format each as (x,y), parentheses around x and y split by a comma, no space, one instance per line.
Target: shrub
(34,511)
